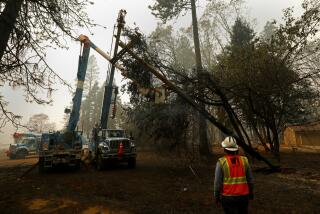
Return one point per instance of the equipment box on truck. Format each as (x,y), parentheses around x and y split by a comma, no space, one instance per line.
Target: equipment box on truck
(60,149)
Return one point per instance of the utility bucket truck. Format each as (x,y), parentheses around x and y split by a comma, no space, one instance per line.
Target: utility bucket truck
(64,148)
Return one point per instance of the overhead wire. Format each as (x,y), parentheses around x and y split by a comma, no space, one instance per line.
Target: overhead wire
(110,52)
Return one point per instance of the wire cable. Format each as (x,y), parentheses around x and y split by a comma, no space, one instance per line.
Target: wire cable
(111,48)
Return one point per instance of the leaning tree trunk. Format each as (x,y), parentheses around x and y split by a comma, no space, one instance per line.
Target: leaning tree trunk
(269,138)
(262,139)
(8,19)
(276,143)
(201,110)
(203,138)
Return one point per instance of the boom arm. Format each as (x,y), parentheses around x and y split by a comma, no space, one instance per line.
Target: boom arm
(108,88)
(113,61)
(81,74)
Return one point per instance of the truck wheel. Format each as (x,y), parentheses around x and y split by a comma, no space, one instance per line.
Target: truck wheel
(78,165)
(100,163)
(21,154)
(41,167)
(132,163)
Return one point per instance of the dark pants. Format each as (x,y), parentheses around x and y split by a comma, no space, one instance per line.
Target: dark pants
(235,204)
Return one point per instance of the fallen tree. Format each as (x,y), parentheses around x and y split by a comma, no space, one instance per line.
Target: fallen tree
(237,134)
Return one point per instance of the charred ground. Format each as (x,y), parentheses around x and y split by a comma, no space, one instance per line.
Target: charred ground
(159,184)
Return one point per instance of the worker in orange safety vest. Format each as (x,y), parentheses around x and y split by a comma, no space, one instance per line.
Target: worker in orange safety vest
(233,183)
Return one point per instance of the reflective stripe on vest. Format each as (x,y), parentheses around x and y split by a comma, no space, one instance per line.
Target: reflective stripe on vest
(234,175)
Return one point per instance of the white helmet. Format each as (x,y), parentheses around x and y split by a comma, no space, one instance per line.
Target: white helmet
(230,144)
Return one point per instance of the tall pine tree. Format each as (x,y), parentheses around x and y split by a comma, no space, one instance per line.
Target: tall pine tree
(166,10)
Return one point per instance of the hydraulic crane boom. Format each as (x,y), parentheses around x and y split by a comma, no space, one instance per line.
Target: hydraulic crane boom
(109,83)
(64,148)
(81,74)
(108,88)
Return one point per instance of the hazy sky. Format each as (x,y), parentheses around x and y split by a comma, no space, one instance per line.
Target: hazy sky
(104,12)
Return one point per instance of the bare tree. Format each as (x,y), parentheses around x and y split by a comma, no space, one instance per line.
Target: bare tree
(28,28)
(40,123)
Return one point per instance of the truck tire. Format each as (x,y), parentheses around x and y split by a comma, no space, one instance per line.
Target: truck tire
(132,163)
(100,163)
(21,154)
(41,167)
(78,165)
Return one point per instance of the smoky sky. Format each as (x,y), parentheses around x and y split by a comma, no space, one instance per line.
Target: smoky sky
(104,13)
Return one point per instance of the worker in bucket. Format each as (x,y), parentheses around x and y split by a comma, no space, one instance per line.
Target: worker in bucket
(233,183)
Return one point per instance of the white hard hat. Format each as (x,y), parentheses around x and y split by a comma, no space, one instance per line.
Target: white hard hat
(229,143)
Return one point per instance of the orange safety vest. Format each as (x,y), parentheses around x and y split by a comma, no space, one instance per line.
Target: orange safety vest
(234,175)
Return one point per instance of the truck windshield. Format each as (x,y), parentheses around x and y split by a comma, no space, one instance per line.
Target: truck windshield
(116,133)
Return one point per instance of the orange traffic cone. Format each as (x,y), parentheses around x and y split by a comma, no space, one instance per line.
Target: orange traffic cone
(120,150)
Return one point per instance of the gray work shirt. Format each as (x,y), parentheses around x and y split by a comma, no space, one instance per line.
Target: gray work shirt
(218,180)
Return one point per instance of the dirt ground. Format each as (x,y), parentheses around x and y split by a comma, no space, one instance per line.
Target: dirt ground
(159,184)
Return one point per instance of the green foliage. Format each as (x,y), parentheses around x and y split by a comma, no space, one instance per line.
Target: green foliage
(174,49)
(91,110)
(134,70)
(166,124)
(241,35)
(269,31)
(264,85)
(215,28)
(137,72)
(93,95)
(292,38)
(91,75)
(168,9)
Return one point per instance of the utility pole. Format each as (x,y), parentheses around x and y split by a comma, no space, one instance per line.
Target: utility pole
(108,87)
(202,127)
